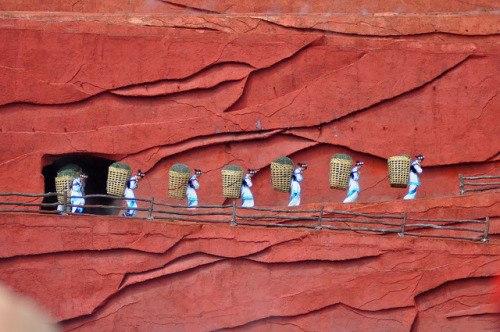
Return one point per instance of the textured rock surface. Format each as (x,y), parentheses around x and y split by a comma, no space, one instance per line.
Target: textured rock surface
(212,83)
(213,89)
(108,273)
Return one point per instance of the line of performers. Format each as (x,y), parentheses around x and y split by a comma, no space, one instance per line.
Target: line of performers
(297,177)
(78,202)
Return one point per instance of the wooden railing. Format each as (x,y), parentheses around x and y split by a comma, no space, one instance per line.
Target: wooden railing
(477,186)
(279,218)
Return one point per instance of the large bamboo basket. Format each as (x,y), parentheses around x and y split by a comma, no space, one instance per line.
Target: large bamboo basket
(178,181)
(117,180)
(340,171)
(281,175)
(63,184)
(399,170)
(231,182)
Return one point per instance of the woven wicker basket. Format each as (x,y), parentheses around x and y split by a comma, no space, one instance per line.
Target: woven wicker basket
(117,180)
(231,183)
(63,184)
(340,170)
(281,175)
(399,170)
(177,184)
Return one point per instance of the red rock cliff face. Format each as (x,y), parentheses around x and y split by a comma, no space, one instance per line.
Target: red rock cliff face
(212,83)
(97,273)
(210,86)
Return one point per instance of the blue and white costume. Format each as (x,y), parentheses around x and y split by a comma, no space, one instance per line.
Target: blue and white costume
(352,195)
(413,180)
(129,193)
(295,187)
(246,193)
(77,190)
(193,185)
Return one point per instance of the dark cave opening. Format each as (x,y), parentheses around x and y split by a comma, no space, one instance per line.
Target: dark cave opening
(97,171)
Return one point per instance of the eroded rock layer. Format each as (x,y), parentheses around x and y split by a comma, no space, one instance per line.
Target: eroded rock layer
(213,83)
(109,273)
(211,89)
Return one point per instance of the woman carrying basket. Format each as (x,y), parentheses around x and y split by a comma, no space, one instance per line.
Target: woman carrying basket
(352,194)
(129,193)
(246,193)
(193,185)
(413,180)
(77,193)
(295,185)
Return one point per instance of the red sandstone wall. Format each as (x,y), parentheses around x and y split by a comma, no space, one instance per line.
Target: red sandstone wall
(209,90)
(96,273)
(210,83)
(302,7)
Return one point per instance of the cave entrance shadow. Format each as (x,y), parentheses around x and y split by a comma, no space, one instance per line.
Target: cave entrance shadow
(97,170)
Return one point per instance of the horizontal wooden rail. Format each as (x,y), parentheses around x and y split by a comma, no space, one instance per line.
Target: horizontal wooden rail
(215,221)
(115,197)
(377,230)
(446,236)
(466,221)
(482,184)
(276,225)
(277,210)
(111,207)
(29,204)
(378,222)
(481,177)
(30,211)
(194,213)
(482,189)
(29,195)
(390,216)
(275,217)
(198,207)
(445,227)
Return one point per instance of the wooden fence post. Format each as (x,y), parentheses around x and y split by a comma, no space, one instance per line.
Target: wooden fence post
(150,212)
(486,230)
(319,227)
(403,226)
(461,184)
(65,204)
(233,217)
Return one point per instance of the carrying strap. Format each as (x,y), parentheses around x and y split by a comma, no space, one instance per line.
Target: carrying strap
(182,184)
(229,185)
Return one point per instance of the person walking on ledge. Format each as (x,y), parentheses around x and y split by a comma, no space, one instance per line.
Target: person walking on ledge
(129,193)
(246,193)
(193,185)
(77,193)
(413,180)
(295,185)
(352,195)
